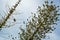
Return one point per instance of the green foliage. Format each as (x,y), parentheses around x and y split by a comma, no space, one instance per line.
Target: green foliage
(40,24)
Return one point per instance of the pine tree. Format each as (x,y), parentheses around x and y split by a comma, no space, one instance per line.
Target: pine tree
(41,22)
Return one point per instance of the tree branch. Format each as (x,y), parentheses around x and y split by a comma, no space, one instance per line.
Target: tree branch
(9,14)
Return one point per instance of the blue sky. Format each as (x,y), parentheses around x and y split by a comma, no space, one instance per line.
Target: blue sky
(22,12)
